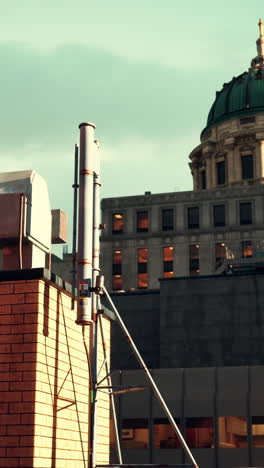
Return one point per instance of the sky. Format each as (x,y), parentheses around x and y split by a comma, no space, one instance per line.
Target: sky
(145,72)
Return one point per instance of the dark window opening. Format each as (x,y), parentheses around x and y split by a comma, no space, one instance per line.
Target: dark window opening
(167,262)
(118,223)
(203,180)
(219,215)
(200,432)
(164,435)
(221,172)
(246,120)
(247,166)
(194,260)
(167,219)
(142,221)
(193,217)
(245,213)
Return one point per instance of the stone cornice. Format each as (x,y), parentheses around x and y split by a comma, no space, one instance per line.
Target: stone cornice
(164,199)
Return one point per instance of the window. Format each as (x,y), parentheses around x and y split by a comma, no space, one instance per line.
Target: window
(193,217)
(219,215)
(245,213)
(232,432)
(203,180)
(164,435)
(167,219)
(220,254)
(117,270)
(117,223)
(142,268)
(246,120)
(194,262)
(135,434)
(221,172)
(142,221)
(258,431)
(167,262)
(200,432)
(247,166)
(247,249)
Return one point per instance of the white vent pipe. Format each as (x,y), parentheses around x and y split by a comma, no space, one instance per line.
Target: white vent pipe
(85,230)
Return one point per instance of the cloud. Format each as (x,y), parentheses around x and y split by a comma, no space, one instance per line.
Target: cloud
(45,96)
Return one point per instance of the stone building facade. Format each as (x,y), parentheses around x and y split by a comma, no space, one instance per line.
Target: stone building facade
(220,222)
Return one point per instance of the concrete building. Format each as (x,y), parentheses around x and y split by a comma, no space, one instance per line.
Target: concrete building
(166,235)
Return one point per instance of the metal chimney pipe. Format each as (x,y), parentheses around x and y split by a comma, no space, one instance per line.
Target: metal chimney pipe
(85,230)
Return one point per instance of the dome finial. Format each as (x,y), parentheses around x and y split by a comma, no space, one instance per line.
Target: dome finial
(260,28)
(258,62)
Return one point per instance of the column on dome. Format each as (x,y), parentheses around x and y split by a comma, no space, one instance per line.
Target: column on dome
(208,155)
(195,172)
(260,158)
(236,165)
(230,161)
(208,166)
(213,171)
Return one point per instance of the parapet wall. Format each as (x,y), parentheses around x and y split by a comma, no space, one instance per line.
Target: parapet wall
(44,379)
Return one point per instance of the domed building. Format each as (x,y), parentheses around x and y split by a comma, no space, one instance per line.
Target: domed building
(216,228)
(231,152)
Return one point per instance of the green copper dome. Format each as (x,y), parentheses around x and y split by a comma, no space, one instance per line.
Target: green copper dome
(241,96)
(244,94)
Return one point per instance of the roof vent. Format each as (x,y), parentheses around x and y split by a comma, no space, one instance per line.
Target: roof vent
(25,228)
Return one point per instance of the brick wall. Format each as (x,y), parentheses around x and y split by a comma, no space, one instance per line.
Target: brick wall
(44,380)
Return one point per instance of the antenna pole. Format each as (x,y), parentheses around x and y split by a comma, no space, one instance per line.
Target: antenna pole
(96,305)
(74,228)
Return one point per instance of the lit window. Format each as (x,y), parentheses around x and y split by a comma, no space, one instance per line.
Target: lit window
(245,213)
(167,262)
(200,432)
(167,219)
(142,268)
(118,223)
(258,431)
(219,215)
(232,432)
(221,172)
(164,435)
(247,249)
(117,270)
(220,254)
(203,180)
(142,221)
(135,434)
(193,217)
(194,262)
(247,166)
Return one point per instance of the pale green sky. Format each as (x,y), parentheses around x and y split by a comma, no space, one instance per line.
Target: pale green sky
(144,71)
